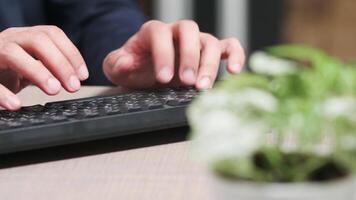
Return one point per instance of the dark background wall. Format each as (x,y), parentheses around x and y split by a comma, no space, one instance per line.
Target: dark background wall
(265,19)
(265,23)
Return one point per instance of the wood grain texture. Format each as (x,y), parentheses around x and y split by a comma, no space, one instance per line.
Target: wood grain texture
(326,24)
(155,172)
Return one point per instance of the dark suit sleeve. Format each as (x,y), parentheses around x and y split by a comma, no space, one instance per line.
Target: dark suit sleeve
(97,27)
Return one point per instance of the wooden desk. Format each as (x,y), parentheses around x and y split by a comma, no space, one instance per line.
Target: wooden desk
(154,172)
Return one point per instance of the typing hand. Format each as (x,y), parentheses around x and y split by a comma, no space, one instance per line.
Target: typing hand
(41,55)
(170,54)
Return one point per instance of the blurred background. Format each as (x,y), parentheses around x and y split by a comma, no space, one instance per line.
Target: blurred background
(328,24)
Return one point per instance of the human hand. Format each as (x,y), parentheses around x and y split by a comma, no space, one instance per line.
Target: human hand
(170,54)
(41,55)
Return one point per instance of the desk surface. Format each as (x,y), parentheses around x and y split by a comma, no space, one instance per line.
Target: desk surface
(153,172)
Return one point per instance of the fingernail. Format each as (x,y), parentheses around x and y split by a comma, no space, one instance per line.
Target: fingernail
(53,85)
(165,75)
(74,83)
(119,63)
(13,102)
(236,68)
(205,83)
(83,72)
(189,76)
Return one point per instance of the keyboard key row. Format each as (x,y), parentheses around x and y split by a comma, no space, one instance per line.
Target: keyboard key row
(95,107)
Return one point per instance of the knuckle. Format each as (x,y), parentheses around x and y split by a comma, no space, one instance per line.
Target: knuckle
(10,30)
(55,30)
(38,37)
(48,29)
(37,28)
(76,58)
(63,64)
(208,36)
(153,24)
(211,64)
(189,55)
(74,55)
(189,24)
(7,50)
(211,39)
(161,30)
(233,42)
(235,45)
(156,28)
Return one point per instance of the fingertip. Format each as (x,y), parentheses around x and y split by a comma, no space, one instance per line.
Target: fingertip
(235,68)
(204,83)
(12,103)
(53,86)
(188,76)
(74,84)
(122,64)
(83,72)
(165,75)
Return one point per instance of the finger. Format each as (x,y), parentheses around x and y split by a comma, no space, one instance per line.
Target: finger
(117,66)
(234,53)
(159,37)
(9,100)
(121,68)
(188,35)
(209,63)
(13,30)
(18,60)
(43,48)
(69,50)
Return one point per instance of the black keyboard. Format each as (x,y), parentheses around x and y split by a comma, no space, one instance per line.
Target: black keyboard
(93,118)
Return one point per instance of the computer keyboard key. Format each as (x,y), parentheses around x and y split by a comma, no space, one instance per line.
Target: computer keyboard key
(70,113)
(154,104)
(14,124)
(178,102)
(133,107)
(37,121)
(112,111)
(58,118)
(87,113)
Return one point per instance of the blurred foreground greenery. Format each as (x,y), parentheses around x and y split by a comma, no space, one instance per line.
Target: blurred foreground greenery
(291,119)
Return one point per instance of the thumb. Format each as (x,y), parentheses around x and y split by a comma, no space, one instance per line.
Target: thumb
(118,64)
